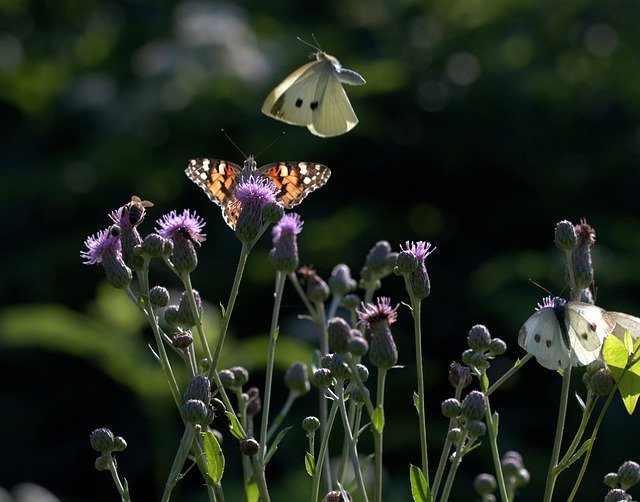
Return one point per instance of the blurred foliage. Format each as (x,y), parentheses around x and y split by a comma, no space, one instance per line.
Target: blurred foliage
(482,124)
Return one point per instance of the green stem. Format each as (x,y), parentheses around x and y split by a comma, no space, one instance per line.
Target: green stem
(122,489)
(493,443)
(457,458)
(303,296)
(277,421)
(589,407)
(355,462)
(552,475)
(323,453)
(422,418)
(261,481)
(378,438)
(453,422)
(271,354)
(186,282)
(242,262)
(181,455)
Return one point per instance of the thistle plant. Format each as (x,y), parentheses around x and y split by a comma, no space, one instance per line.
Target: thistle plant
(356,337)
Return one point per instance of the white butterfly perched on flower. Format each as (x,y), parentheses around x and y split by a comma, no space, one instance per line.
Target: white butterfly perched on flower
(219,179)
(313,96)
(562,334)
(625,322)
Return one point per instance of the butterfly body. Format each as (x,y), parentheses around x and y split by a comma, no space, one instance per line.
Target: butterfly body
(313,96)
(219,179)
(562,334)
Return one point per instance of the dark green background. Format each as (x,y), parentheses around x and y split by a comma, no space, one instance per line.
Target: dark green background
(482,124)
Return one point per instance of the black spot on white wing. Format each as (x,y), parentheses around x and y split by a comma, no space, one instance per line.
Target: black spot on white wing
(313,105)
(548,343)
(537,338)
(298,103)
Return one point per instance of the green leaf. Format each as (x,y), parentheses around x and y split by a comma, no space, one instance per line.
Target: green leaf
(276,442)
(580,452)
(377,420)
(215,458)
(484,381)
(416,401)
(419,487)
(309,464)
(616,355)
(234,426)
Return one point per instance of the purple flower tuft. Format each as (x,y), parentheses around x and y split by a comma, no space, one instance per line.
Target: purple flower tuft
(381,311)
(256,190)
(550,302)
(185,225)
(418,249)
(290,224)
(98,245)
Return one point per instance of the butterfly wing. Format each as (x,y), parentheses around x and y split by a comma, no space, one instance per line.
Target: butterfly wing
(334,114)
(295,180)
(541,337)
(293,100)
(625,322)
(587,327)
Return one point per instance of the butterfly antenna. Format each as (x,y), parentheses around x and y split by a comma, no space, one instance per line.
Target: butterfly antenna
(269,145)
(315,47)
(541,287)
(233,143)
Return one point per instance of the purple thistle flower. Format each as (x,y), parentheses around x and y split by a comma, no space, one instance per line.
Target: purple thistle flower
(99,245)
(381,311)
(131,214)
(284,254)
(104,248)
(254,194)
(418,249)
(184,230)
(383,353)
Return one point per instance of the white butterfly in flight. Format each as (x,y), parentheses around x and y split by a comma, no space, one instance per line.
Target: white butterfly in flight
(562,334)
(313,96)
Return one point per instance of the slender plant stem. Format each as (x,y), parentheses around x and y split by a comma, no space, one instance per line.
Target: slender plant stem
(493,443)
(457,458)
(378,437)
(322,454)
(355,462)
(422,418)
(453,422)
(122,489)
(261,481)
(186,281)
(552,475)
(277,421)
(181,455)
(271,354)
(302,294)
(589,407)
(242,263)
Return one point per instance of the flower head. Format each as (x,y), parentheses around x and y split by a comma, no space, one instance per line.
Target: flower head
(378,264)
(253,195)
(417,280)
(284,254)
(184,230)
(104,248)
(581,255)
(382,311)
(99,245)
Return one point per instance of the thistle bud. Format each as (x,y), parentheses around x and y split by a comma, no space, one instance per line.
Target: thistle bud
(474,405)
(254,404)
(323,377)
(459,375)
(185,315)
(497,347)
(451,408)
(171,316)
(359,394)
(406,263)
(602,382)
(297,380)
(581,255)
(199,387)
(119,443)
(454,435)
(103,462)
(102,440)
(153,245)
(336,496)
(363,372)
(159,297)
(479,338)
(611,479)
(350,301)
(484,484)
(194,411)
(339,368)
(310,424)
(117,273)
(240,374)
(628,474)
(565,237)
(358,346)
(182,340)
(249,447)
(617,495)
(130,238)
(339,334)
(284,254)
(476,428)
(227,379)
(340,281)
(272,212)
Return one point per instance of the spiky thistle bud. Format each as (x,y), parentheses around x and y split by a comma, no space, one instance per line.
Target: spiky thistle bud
(383,353)
(581,255)
(297,380)
(340,281)
(565,237)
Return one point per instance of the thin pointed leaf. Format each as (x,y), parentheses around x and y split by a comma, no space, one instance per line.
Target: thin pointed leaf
(419,487)
(276,442)
(215,458)
(495,418)
(309,464)
(377,420)
(416,401)
(234,426)
(580,452)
